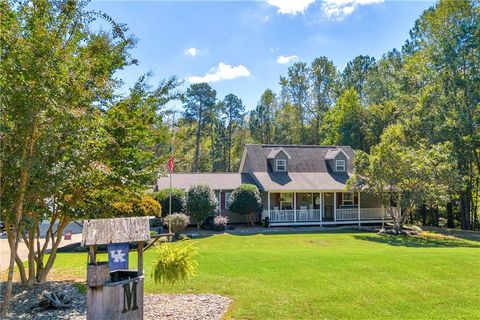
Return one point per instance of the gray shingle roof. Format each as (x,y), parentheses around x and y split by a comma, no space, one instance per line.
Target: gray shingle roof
(307,170)
(216,181)
(303,158)
(332,153)
(276,151)
(307,181)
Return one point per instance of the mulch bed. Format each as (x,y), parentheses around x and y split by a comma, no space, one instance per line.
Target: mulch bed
(25,304)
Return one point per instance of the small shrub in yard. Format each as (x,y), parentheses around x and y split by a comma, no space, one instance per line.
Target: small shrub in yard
(177,222)
(175,262)
(201,203)
(220,222)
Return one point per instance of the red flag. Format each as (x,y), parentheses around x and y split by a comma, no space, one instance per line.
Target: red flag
(170,164)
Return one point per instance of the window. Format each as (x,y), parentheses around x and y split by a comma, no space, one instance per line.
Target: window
(227,199)
(347,198)
(281,165)
(339,165)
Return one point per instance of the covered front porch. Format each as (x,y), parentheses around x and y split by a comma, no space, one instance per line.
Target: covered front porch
(324,208)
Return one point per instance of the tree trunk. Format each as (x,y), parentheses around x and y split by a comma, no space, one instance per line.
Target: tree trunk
(229,145)
(450,217)
(42,272)
(465,210)
(423,211)
(197,142)
(13,236)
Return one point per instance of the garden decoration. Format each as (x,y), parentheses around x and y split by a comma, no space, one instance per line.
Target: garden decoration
(114,291)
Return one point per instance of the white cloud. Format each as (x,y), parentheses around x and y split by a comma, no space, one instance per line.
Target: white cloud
(339,9)
(221,72)
(290,6)
(286,59)
(192,52)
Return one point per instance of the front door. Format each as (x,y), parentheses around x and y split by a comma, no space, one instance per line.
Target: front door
(328,206)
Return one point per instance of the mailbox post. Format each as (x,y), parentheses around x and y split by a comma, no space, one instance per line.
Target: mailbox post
(115,294)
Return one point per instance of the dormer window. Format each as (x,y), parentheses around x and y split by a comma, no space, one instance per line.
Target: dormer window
(339,165)
(280,165)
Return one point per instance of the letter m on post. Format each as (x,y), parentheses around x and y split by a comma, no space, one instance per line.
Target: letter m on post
(129,297)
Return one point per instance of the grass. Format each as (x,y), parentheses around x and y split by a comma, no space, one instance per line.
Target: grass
(329,275)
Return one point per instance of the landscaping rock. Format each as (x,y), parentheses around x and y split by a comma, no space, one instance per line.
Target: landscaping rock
(27,304)
(185,306)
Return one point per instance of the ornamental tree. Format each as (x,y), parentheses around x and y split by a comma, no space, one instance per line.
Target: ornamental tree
(201,203)
(410,173)
(245,200)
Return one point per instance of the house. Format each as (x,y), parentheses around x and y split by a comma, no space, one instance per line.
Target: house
(299,185)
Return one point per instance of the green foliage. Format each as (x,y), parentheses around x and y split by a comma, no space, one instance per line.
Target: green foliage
(201,203)
(344,122)
(177,222)
(178,200)
(143,206)
(174,262)
(415,172)
(245,200)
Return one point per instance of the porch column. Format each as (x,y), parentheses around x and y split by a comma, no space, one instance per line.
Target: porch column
(383,216)
(321,206)
(295,207)
(268,204)
(358,209)
(219,202)
(335,206)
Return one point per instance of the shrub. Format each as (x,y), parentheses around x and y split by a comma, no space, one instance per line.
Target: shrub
(143,206)
(201,202)
(174,262)
(178,200)
(220,222)
(245,200)
(177,222)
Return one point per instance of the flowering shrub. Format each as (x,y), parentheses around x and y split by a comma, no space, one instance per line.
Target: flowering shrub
(177,221)
(220,222)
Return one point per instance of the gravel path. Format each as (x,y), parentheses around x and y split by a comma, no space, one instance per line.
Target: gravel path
(157,306)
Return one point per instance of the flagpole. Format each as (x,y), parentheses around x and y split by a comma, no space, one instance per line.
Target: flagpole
(170,198)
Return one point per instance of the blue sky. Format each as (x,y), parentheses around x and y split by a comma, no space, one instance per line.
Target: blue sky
(242,47)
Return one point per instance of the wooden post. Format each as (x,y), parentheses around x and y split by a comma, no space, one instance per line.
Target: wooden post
(92,253)
(140,258)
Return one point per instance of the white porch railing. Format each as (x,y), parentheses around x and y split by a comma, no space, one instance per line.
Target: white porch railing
(304,215)
(282,215)
(347,214)
(343,214)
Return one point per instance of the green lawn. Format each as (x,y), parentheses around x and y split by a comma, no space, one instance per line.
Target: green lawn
(331,276)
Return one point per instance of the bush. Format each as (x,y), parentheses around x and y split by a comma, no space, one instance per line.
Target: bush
(245,200)
(220,222)
(201,203)
(177,222)
(178,200)
(174,262)
(143,206)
